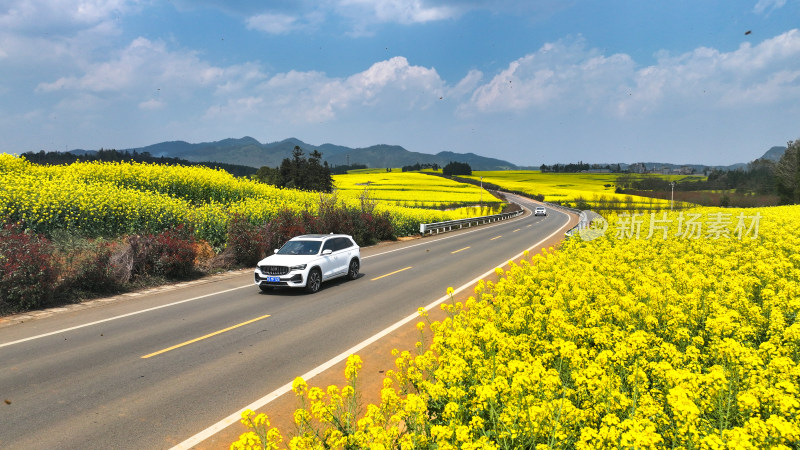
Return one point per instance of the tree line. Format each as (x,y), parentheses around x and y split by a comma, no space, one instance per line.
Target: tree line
(113,155)
(579,167)
(418,167)
(457,168)
(299,172)
(344,168)
(761,177)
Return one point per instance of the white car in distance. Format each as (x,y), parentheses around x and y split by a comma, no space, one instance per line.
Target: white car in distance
(539,211)
(308,260)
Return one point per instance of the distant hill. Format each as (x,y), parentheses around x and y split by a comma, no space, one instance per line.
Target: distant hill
(775,153)
(248,151)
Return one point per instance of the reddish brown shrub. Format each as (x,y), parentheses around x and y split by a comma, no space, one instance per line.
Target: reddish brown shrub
(247,242)
(27,274)
(92,271)
(174,254)
(170,254)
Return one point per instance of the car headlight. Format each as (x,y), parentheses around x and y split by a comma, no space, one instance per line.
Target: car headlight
(298,267)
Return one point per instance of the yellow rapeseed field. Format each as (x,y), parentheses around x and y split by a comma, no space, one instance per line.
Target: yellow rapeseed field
(414,189)
(110,199)
(569,189)
(668,331)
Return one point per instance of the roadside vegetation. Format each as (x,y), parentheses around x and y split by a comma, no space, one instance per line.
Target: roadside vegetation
(762,182)
(84,229)
(673,329)
(687,337)
(595,191)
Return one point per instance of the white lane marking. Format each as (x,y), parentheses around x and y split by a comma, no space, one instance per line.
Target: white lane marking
(77,327)
(265,400)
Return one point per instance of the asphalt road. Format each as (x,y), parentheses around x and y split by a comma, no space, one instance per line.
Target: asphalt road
(153,370)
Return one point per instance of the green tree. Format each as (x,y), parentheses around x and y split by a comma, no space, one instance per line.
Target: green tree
(268,175)
(309,174)
(457,168)
(317,176)
(788,173)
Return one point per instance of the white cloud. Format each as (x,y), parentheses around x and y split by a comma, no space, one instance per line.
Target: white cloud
(563,74)
(235,109)
(57,36)
(57,16)
(143,64)
(272,23)
(365,12)
(467,85)
(402,11)
(566,76)
(391,87)
(363,16)
(771,5)
(707,78)
(152,105)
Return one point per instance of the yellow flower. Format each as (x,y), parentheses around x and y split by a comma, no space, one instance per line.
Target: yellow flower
(299,386)
(353,367)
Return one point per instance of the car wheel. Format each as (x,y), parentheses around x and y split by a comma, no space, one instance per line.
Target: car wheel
(314,281)
(352,271)
(265,288)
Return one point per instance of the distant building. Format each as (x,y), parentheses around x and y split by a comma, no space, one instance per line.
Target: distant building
(637,168)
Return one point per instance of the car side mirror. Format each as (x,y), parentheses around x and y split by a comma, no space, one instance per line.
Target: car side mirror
(327,251)
(276,250)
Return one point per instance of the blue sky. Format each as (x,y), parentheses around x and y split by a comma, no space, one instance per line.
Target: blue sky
(531,82)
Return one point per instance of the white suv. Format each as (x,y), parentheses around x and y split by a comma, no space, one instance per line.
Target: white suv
(306,261)
(539,211)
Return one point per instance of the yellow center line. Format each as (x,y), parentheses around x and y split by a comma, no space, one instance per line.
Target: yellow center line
(459,250)
(496,237)
(204,337)
(517,230)
(384,276)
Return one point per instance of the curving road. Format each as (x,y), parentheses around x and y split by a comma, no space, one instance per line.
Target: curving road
(155,370)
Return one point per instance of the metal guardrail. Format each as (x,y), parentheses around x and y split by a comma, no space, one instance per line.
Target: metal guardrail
(565,208)
(581,224)
(585,221)
(458,224)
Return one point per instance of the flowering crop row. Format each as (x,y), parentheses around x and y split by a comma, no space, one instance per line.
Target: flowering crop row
(593,189)
(196,185)
(109,199)
(413,189)
(614,342)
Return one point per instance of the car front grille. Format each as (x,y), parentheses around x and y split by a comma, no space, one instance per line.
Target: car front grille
(274,270)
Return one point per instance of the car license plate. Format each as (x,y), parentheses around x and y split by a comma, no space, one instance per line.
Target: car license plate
(273,279)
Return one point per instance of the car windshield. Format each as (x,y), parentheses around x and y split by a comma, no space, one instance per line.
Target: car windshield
(300,248)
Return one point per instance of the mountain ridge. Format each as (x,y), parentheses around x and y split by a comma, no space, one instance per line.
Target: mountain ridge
(248,151)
